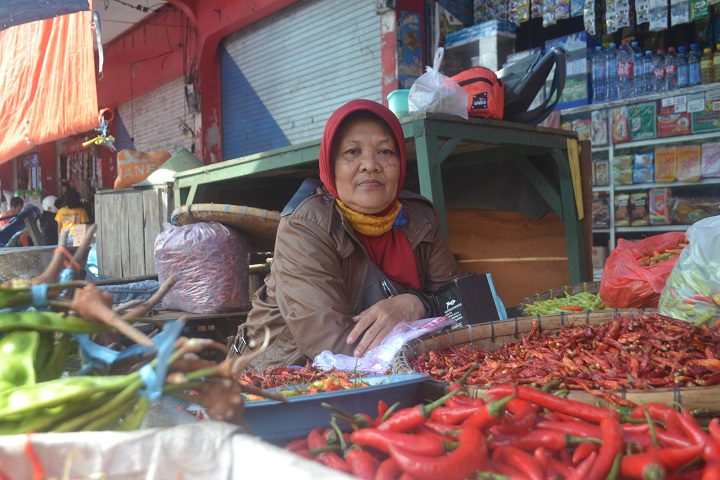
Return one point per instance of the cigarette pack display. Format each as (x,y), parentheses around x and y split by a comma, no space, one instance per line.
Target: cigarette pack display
(658,211)
(689,163)
(711,159)
(666,164)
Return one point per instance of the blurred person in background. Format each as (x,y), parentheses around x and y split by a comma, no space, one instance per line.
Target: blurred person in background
(16,206)
(72,213)
(47,223)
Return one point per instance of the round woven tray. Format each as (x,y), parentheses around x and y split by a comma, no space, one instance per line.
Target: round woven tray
(258,226)
(492,335)
(592,287)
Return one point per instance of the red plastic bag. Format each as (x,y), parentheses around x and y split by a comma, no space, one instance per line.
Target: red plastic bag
(627,284)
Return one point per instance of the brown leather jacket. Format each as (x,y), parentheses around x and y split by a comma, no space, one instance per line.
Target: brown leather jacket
(321,276)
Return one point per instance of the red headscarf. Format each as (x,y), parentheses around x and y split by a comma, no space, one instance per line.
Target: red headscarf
(390,251)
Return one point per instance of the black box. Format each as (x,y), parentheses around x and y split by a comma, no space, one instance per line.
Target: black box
(469,299)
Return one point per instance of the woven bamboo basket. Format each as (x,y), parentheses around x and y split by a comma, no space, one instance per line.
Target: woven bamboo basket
(592,287)
(491,336)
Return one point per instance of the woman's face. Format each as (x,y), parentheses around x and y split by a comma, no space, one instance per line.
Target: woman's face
(366,166)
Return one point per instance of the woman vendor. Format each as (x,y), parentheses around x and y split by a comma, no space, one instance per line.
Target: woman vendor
(355,257)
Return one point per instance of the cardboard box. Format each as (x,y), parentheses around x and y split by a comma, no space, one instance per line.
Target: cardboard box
(666,164)
(79,233)
(673,124)
(658,208)
(599,255)
(577,89)
(707,119)
(642,121)
(602,172)
(689,161)
(619,125)
(475,32)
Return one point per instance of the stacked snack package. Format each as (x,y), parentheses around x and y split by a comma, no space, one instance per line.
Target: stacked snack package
(689,163)
(710,160)
(622,170)
(643,165)
(666,164)
(659,206)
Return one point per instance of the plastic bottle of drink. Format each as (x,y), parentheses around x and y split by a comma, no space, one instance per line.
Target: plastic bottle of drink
(599,82)
(611,67)
(660,84)
(706,67)
(626,72)
(649,71)
(716,63)
(639,69)
(671,69)
(694,65)
(683,70)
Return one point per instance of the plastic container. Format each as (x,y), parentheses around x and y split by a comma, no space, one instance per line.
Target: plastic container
(649,71)
(599,74)
(398,102)
(660,84)
(626,71)
(683,70)
(611,67)
(639,68)
(694,65)
(279,422)
(706,67)
(671,69)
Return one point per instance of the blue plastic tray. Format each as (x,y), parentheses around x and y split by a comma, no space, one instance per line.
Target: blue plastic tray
(278,422)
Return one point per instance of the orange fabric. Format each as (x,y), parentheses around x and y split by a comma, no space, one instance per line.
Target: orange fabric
(47,85)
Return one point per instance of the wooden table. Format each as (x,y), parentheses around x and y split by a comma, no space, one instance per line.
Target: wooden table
(433,141)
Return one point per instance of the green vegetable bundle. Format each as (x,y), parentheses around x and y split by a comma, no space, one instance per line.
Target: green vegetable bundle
(568,303)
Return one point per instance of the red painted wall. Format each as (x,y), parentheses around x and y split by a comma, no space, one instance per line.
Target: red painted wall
(47,157)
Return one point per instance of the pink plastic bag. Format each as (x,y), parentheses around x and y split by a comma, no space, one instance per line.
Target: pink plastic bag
(627,284)
(212,262)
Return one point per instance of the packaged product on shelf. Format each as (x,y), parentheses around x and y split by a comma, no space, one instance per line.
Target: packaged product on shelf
(619,128)
(643,168)
(601,209)
(686,211)
(710,160)
(598,128)
(673,124)
(583,128)
(642,121)
(622,210)
(622,170)
(639,209)
(602,172)
(658,208)
(666,164)
(599,255)
(707,119)
(689,161)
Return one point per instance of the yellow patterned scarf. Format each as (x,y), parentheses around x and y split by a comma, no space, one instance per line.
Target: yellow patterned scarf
(370,225)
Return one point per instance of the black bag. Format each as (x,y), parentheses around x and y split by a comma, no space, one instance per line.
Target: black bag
(525,78)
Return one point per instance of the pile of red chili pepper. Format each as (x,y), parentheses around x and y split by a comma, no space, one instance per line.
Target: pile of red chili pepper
(519,433)
(275,377)
(631,352)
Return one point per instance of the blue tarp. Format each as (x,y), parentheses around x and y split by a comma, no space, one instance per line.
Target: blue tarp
(17,12)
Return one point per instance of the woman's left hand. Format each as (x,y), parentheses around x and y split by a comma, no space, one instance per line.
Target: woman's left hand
(375,323)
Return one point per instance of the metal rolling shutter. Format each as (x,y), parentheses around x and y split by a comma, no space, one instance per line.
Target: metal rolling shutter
(282,77)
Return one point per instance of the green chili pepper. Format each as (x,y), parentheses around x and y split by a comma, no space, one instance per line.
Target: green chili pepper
(18,350)
(58,357)
(49,322)
(30,398)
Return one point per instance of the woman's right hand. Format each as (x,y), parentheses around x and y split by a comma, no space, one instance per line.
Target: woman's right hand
(375,323)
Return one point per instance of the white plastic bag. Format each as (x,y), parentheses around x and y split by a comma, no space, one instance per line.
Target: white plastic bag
(379,359)
(692,291)
(436,93)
